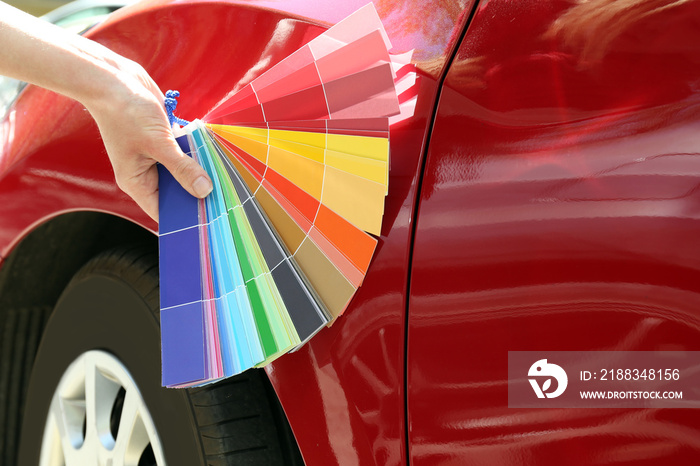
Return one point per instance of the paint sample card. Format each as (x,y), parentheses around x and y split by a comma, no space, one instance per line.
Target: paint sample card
(299,160)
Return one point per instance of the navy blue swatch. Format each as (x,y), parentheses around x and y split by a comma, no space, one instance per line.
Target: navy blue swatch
(183,344)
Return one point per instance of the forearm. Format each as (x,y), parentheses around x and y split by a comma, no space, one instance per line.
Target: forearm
(123,99)
(43,54)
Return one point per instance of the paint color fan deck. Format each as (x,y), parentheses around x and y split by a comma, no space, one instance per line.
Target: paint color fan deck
(299,158)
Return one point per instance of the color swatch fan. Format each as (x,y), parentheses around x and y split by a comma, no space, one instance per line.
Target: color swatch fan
(299,159)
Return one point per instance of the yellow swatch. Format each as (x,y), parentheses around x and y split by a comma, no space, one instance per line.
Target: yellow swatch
(303,172)
(256,134)
(254,148)
(373,170)
(356,199)
(310,152)
(302,137)
(376,148)
(373,148)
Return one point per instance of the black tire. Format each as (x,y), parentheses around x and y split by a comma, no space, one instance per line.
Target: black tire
(112,304)
(20,331)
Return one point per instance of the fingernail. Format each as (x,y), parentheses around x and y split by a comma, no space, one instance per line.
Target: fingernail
(202,187)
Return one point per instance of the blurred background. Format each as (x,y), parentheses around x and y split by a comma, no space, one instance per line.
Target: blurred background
(77,16)
(36,7)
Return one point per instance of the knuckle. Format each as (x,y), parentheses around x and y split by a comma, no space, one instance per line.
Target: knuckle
(184,169)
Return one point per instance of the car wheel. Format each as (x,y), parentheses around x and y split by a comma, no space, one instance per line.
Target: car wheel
(94,396)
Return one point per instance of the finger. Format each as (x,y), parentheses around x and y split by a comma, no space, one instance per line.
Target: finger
(142,188)
(184,169)
(149,204)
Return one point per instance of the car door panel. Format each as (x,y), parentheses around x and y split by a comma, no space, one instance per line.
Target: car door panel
(558,211)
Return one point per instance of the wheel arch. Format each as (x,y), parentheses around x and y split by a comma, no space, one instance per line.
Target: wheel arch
(40,266)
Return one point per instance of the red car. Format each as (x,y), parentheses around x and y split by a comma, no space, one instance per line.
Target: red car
(543,196)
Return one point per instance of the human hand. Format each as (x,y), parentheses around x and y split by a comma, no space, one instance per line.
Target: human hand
(120,95)
(136,133)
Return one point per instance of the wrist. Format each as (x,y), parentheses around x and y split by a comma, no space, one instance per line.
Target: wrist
(94,78)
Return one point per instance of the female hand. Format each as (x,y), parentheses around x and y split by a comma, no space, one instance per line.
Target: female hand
(119,94)
(136,133)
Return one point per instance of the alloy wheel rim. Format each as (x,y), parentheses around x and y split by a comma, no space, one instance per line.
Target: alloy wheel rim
(97,416)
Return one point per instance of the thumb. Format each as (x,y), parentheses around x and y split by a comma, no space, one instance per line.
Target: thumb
(185,169)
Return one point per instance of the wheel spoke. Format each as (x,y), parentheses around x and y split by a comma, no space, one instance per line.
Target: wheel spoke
(58,448)
(81,423)
(101,393)
(132,437)
(90,398)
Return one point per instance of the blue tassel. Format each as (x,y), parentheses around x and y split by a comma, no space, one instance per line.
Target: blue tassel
(170,105)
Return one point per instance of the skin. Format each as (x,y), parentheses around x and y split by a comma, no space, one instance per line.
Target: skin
(122,98)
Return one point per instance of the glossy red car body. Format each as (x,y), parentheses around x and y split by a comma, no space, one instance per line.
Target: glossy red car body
(543,197)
